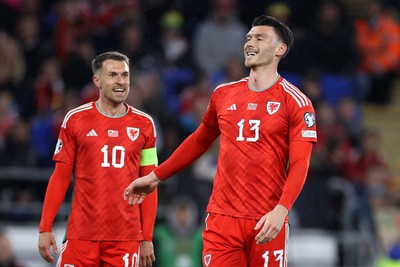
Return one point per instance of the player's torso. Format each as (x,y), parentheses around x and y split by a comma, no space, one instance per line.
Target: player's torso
(254,149)
(107,158)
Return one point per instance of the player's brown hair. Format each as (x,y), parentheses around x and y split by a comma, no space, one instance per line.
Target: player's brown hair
(97,62)
(281,29)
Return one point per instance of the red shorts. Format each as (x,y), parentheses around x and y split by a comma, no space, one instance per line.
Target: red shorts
(230,241)
(86,253)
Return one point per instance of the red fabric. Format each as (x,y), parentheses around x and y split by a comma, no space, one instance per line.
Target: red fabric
(257,131)
(148,208)
(299,160)
(105,152)
(190,150)
(55,193)
(230,241)
(76,252)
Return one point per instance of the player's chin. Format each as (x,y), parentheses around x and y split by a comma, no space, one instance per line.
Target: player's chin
(248,63)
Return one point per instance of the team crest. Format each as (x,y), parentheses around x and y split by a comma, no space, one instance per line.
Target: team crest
(133,133)
(309,119)
(207,259)
(273,107)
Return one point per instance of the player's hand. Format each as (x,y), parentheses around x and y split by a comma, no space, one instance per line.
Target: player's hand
(47,240)
(270,224)
(147,256)
(140,188)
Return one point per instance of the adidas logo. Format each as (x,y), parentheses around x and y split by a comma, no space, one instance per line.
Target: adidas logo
(92,133)
(232,107)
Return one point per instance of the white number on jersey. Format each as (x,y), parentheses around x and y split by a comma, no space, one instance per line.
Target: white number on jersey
(135,260)
(115,161)
(278,257)
(254,127)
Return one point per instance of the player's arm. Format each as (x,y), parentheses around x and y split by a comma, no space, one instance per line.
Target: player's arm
(191,149)
(272,222)
(55,193)
(148,212)
(299,161)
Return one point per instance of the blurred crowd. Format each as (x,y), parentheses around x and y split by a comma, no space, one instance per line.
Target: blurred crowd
(346,54)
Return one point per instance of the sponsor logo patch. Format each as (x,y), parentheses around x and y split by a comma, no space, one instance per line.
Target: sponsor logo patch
(309,134)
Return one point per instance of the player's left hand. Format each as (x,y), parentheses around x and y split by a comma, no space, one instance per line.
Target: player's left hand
(270,224)
(147,256)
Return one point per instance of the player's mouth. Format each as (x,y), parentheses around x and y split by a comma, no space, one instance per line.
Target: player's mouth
(250,54)
(119,90)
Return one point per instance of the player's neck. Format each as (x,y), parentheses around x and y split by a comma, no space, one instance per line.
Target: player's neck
(262,80)
(111,110)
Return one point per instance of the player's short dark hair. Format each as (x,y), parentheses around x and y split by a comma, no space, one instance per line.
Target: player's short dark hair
(97,62)
(281,29)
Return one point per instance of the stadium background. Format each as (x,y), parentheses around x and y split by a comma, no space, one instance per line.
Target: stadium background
(348,213)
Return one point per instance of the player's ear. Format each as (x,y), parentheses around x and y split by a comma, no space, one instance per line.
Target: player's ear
(281,49)
(96,80)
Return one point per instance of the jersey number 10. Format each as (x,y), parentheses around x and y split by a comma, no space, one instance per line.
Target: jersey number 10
(117,157)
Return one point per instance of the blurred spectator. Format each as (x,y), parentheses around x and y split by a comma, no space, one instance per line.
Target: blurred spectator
(232,70)
(350,117)
(12,67)
(8,16)
(194,100)
(219,37)
(33,45)
(8,115)
(329,41)
(328,125)
(77,70)
(73,21)
(311,87)
(204,170)
(143,56)
(178,242)
(48,87)
(367,155)
(378,41)
(17,151)
(7,255)
(174,45)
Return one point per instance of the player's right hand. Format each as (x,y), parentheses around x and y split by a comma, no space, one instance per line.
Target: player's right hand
(46,240)
(140,188)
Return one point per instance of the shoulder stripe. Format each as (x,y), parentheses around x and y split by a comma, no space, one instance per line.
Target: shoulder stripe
(141,113)
(297,95)
(230,83)
(75,110)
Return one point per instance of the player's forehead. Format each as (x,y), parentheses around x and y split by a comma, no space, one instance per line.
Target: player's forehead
(118,66)
(261,30)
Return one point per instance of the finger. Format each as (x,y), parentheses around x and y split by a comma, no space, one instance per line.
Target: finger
(141,199)
(259,224)
(127,192)
(55,249)
(47,255)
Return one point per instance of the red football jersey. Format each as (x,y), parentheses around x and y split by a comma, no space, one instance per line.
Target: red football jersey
(256,129)
(107,153)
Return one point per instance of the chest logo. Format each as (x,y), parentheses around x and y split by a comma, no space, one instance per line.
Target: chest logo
(133,133)
(273,107)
